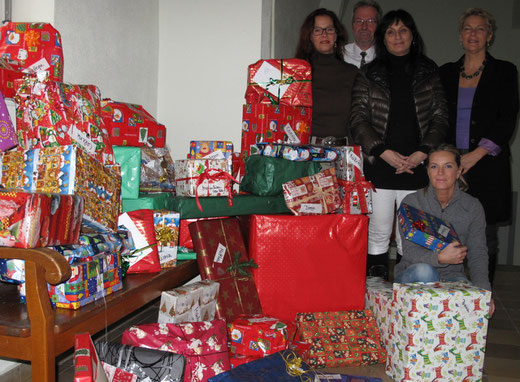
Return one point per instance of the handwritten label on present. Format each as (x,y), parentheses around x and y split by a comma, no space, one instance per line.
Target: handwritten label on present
(220,253)
(292,138)
(353,158)
(82,139)
(266,75)
(311,208)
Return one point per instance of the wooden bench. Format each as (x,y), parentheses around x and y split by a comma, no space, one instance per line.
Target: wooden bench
(37,332)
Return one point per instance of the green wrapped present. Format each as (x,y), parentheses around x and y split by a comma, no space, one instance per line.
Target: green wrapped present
(218,206)
(130,160)
(186,256)
(264,175)
(155,201)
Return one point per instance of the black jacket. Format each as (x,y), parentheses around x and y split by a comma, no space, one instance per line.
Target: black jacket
(493,116)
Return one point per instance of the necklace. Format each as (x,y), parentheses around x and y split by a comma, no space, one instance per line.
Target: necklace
(469,77)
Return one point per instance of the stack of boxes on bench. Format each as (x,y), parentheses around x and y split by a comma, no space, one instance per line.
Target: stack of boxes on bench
(282,255)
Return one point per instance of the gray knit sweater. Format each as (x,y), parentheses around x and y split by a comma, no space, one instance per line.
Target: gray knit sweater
(466,215)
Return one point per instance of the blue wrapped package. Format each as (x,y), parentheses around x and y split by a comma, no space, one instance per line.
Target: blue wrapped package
(283,366)
(325,377)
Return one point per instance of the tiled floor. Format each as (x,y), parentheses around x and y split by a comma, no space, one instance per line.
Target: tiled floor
(502,363)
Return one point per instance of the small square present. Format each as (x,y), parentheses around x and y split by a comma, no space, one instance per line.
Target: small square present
(440,331)
(313,195)
(166,225)
(259,335)
(425,229)
(280,81)
(349,165)
(189,303)
(356,196)
(348,338)
(202,177)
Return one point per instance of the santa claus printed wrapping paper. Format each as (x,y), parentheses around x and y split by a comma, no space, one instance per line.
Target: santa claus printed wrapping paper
(222,257)
(338,339)
(204,344)
(280,82)
(51,113)
(32,47)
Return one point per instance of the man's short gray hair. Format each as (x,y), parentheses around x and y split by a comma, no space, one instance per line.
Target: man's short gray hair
(368,3)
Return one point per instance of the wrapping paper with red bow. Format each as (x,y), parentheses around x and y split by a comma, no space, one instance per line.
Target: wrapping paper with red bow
(309,263)
(280,82)
(38,220)
(339,339)
(222,257)
(204,177)
(145,259)
(313,195)
(349,165)
(425,229)
(51,113)
(204,344)
(33,47)
(357,196)
(131,125)
(259,335)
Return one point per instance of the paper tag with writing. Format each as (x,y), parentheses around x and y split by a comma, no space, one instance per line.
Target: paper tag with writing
(215,155)
(292,138)
(215,188)
(443,230)
(219,255)
(82,139)
(261,319)
(38,66)
(311,208)
(354,159)
(197,315)
(265,74)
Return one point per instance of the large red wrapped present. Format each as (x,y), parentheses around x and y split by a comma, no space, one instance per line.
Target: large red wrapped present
(131,125)
(314,194)
(258,335)
(51,113)
(274,124)
(309,263)
(184,232)
(222,257)
(338,339)
(33,47)
(66,170)
(280,82)
(39,220)
(204,344)
(87,365)
(145,259)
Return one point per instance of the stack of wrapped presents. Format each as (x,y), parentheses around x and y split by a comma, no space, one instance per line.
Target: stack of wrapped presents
(277,226)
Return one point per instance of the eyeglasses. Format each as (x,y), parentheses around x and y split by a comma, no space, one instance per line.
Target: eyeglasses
(365,21)
(319,31)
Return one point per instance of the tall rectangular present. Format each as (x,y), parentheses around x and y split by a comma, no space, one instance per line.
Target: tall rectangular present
(222,257)
(204,344)
(65,115)
(37,220)
(309,263)
(356,196)
(314,194)
(87,365)
(34,47)
(131,125)
(189,303)
(203,177)
(349,165)
(280,82)
(440,332)
(378,299)
(66,170)
(339,339)
(167,224)
(425,229)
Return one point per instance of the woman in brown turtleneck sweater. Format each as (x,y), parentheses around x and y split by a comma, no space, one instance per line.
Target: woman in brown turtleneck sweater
(322,39)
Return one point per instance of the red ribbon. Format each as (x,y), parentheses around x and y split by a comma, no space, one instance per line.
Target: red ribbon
(360,185)
(213,174)
(419,225)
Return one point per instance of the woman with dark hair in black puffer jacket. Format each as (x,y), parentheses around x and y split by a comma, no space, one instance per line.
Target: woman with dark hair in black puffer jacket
(398,115)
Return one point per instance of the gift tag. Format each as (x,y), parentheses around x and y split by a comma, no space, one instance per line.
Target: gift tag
(219,255)
(266,75)
(311,208)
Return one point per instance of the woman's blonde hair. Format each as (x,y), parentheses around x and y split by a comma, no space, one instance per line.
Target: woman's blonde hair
(488,17)
(463,185)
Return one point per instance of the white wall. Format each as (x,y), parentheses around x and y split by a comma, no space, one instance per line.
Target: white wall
(32,10)
(111,44)
(205,47)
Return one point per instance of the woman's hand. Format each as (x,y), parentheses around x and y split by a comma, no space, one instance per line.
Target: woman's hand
(416,159)
(454,253)
(491,307)
(396,160)
(470,159)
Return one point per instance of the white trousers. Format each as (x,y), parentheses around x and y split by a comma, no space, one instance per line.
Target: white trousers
(384,203)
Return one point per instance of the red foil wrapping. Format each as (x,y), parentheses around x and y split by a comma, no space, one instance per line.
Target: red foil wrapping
(309,263)
(222,257)
(280,82)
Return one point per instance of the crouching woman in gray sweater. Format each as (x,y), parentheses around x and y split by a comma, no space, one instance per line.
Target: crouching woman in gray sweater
(444,199)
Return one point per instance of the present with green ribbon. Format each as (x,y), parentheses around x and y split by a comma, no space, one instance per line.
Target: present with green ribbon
(280,82)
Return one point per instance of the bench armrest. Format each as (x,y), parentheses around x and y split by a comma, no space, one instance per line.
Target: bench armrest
(56,268)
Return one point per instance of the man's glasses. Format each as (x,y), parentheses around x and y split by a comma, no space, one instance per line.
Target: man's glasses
(365,21)
(319,31)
